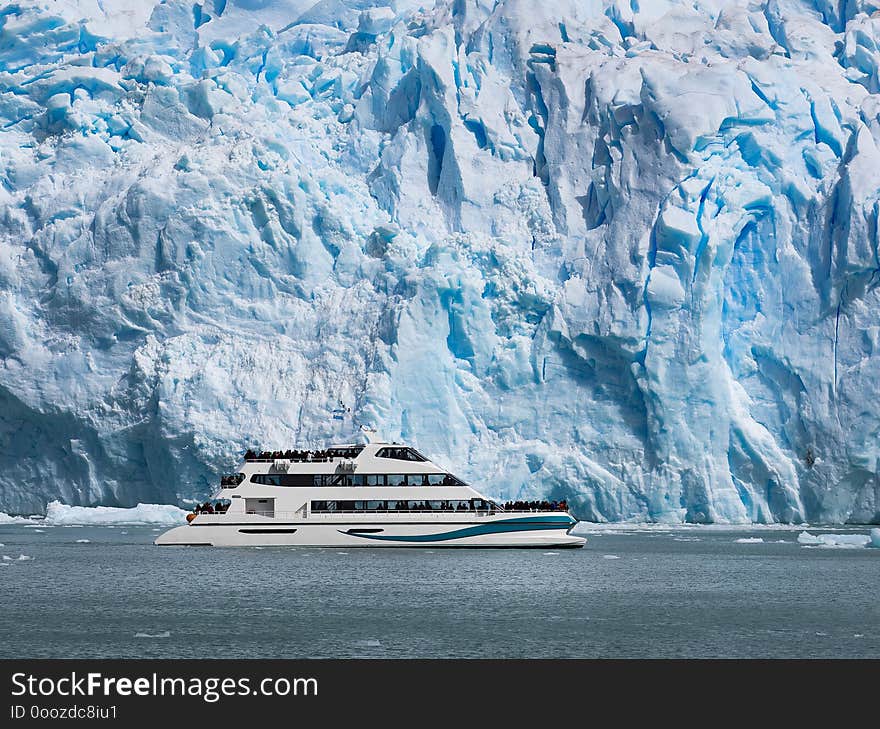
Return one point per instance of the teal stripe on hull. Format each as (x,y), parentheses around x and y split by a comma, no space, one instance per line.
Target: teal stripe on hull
(557,518)
(498,527)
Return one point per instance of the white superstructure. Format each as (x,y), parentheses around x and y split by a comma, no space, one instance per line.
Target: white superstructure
(373,495)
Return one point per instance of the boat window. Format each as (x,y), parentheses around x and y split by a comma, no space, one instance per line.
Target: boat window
(232,480)
(356,480)
(346,452)
(283,479)
(448,505)
(400,453)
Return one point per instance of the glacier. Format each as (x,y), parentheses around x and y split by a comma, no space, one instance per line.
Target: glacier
(623,253)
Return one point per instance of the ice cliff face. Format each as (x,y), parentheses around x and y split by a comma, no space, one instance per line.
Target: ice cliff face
(622,252)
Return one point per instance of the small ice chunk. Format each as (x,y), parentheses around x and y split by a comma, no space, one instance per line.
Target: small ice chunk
(24,558)
(551,553)
(82,541)
(875,538)
(163,634)
(834,540)
(610,556)
(749,540)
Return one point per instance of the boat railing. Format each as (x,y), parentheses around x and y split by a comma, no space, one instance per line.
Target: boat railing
(438,512)
(299,514)
(528,511)
(328,459)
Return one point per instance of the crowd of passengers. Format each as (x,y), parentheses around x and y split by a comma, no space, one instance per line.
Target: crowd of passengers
(427,506)
(536,505)
(453,505)
(209,508)
(311,456)
(233,480)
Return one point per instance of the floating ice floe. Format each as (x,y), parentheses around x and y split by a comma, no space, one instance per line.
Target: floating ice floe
(840,541)
(59,514)
(7,519)
(24,558)
(749,540)
(163,634)
(610,556)
(83,541)
(875,538)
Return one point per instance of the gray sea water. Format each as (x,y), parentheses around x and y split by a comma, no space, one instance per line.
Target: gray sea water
(643,594)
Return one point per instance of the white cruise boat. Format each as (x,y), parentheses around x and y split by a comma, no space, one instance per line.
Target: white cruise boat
(372,495)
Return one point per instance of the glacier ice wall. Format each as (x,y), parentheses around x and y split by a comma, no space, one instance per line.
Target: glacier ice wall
(625,253)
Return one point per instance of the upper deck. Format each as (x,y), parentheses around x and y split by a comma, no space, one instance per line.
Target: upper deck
(370,458)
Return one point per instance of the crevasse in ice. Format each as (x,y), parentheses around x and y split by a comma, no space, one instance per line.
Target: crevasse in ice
(624,253)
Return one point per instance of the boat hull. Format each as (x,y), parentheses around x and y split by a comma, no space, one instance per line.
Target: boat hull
(551,531)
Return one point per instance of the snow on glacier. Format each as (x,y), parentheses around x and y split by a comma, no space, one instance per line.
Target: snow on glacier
(622,253)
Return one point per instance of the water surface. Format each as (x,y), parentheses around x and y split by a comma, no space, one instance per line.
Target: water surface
(678,593)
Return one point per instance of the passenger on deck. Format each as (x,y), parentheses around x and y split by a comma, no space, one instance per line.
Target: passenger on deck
(249,455)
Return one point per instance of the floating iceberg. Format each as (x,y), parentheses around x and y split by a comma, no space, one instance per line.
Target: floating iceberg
(59,514)
(875,538)
(834,540)
(7,519)
(749,540)
(623,253)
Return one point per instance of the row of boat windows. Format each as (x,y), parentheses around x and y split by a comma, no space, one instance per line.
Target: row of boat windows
(432,505)
(357,479)
(400,454)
